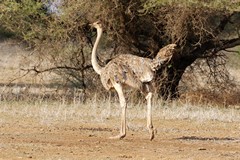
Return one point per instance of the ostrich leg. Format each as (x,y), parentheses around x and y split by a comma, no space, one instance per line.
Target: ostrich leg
(149,115)
(123,105)
(147,90)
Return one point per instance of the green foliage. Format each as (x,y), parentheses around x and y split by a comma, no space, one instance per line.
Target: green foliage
(21,18)
(29,21)
(233,5)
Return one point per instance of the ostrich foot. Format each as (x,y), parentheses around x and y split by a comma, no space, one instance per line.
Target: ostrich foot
(120,136)
(152,134)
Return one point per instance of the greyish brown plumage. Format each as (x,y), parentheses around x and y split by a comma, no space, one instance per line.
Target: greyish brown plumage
(133,71)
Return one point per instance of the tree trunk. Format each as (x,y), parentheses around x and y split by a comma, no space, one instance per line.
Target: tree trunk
(169,76)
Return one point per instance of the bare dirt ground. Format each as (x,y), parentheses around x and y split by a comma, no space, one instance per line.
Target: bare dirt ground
(27,138)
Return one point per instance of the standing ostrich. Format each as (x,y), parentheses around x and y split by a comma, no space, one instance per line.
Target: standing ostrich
(131,71)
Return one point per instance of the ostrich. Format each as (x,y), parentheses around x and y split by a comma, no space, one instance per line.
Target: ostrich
(131,71)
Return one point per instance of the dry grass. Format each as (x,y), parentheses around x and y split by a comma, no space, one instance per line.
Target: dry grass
(103,111)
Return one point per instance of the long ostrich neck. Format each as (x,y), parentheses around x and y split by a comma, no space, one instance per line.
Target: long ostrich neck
(97,68)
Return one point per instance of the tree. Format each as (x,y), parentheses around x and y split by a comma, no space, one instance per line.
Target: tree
(201,28)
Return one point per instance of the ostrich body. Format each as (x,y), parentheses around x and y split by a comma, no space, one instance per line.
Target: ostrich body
(132,71)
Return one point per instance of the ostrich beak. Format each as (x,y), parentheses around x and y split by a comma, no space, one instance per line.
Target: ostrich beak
(173,46)
(95,23)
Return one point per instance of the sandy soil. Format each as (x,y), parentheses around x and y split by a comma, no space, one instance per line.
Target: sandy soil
(28,138)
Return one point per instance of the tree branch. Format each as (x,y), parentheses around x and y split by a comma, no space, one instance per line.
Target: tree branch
(55,68)
(229,43)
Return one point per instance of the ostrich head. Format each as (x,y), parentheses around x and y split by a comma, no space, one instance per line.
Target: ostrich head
(96,24)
